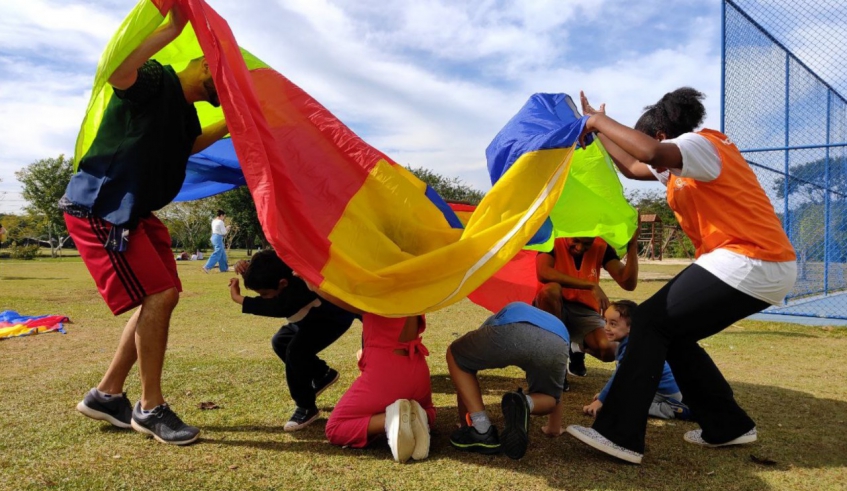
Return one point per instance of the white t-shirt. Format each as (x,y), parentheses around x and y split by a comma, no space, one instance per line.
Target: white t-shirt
(218,227)
(768,281)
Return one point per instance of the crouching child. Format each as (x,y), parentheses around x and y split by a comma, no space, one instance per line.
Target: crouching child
(518,335)
(312,326)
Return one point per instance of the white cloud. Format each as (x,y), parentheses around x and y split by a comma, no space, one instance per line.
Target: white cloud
(428,82)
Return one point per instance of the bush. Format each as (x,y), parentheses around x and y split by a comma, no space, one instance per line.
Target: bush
(26,252)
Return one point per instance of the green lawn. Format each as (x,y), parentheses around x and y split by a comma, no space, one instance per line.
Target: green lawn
(790,378)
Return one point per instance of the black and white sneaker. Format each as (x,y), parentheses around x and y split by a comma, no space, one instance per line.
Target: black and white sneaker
(515,437)
(324,382)
(696,437)
(116,409)
(301,419)
(593,438)
(468,439)
(164,425)
(576,366)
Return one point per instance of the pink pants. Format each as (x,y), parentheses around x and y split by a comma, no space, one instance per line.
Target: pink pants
(385,377)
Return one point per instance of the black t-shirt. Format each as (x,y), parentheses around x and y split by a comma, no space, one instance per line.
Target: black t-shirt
(136,163)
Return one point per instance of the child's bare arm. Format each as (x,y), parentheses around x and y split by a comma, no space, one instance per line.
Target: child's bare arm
(554,421)
(235,291)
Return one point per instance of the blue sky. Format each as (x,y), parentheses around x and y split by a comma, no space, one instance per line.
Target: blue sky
(429,82)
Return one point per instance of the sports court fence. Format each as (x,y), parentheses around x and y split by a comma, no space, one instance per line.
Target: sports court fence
(783,98)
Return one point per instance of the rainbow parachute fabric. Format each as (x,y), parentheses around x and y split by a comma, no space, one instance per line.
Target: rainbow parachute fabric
(339,212)
(13,324)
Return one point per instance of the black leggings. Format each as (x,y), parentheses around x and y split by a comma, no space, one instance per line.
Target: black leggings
(692,306)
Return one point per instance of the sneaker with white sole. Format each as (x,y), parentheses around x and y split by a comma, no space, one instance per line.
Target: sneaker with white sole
(593,438)
(398,430)
(420,430)
(116,409)
(696,437)
(164,425)
(301,419)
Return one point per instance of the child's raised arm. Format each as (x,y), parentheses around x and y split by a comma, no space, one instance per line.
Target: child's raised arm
(235,291)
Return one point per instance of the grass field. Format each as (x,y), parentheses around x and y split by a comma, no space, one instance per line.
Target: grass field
(791,379)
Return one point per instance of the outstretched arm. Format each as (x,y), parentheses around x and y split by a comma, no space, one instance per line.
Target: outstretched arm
(211,134)
(630,167)
(124,76)
(640,147)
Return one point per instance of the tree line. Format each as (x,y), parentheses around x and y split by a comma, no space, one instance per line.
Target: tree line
(42,224)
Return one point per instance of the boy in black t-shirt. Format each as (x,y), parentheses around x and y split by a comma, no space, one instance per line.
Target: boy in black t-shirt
(313,325)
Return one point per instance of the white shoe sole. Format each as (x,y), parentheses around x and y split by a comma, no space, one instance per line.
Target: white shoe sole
(608,450)
(289,426)
(145,431)
(91,413)
(695,437)
(420,430)
(398,429)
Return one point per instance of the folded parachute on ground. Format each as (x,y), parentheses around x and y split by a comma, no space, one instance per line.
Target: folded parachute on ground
(339,212)
(13,324)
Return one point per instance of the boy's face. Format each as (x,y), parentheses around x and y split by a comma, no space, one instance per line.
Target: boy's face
(578,245)
(268,293)
(617,327)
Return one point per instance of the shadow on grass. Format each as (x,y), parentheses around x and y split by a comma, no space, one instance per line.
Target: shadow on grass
(796,430)
(769,333)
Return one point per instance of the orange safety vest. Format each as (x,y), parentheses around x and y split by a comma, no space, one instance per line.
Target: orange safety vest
(589,270)
(732,212)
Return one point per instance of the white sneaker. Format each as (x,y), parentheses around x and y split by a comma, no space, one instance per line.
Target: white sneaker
(398,429)
(420,430)
(592,438)
(696,437)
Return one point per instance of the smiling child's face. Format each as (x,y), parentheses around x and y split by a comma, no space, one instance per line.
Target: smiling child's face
(616,327)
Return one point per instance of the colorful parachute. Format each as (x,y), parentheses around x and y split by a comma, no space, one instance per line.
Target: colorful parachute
(13,324)
(341,213)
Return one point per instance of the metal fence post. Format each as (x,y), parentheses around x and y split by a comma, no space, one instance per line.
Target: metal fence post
(787,217)
(826,199)
(723,67)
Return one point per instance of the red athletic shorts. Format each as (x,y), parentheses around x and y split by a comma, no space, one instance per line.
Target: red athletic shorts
(125,278)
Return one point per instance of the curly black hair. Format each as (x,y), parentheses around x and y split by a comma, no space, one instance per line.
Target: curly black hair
(676,113)
(265,271)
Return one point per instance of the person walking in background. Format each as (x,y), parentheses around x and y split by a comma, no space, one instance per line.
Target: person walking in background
(218,257)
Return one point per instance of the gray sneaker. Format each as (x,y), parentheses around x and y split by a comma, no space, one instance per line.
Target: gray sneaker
(164,425)
(116,410)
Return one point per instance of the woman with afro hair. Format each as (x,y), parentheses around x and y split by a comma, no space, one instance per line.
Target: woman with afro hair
(744,263)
